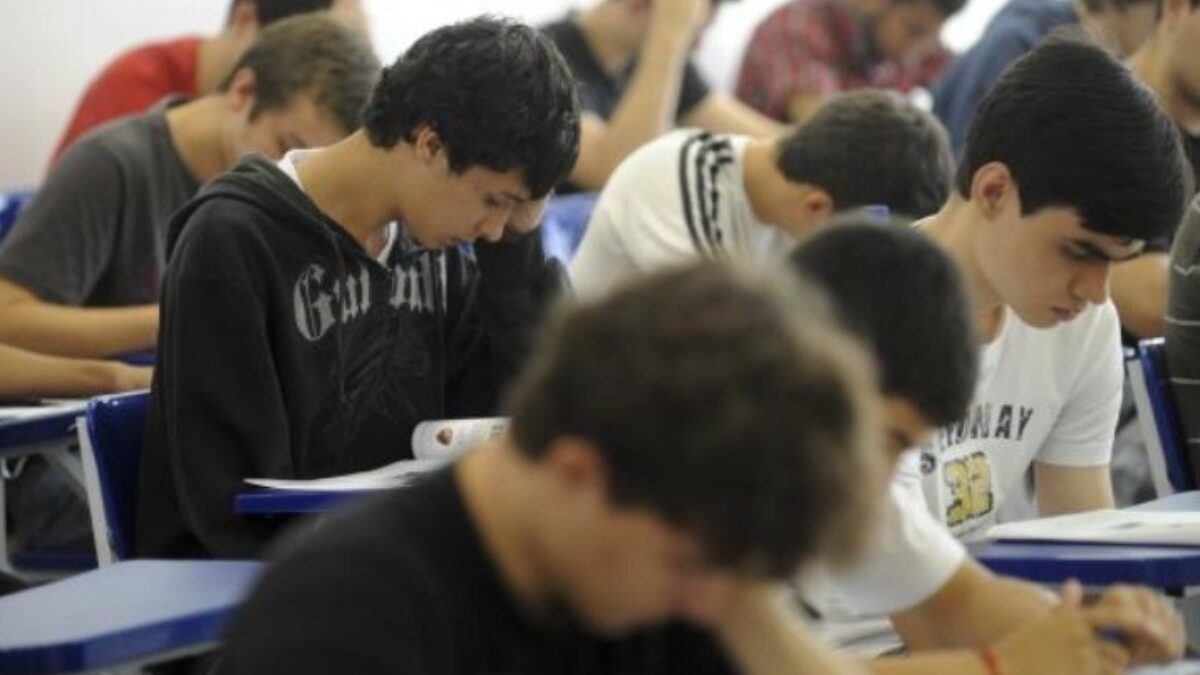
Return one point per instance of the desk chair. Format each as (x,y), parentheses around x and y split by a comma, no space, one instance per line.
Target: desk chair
(121,617)
(10,207)
(565,222)
(110,443)
(1170,465)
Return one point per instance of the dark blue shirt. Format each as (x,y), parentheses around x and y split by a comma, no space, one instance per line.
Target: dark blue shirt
(1016,29)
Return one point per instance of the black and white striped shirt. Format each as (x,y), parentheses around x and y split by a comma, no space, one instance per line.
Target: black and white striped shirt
(676,198)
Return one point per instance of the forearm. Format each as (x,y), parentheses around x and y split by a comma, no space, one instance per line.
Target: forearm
(646,110)
(802,106)
(1065,489)
(79,331)
(1139,290)
(957,662)
(763,638)
(31,375)
(974,607)
(490,327)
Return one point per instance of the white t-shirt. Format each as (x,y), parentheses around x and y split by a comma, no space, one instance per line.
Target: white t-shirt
(677,197)
(908,557)
(1049,395)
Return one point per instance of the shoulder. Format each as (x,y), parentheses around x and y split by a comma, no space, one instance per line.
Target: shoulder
(1025,22)
(680,151)
(216,231)
(127,141)
(909,558)
(649,168)
(350,591)
(653,175)
(379,546)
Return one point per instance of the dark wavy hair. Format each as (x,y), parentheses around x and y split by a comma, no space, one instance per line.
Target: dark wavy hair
(1077,130)
(872,147)
(898,292)
(311,54)
(727,404)
(498,94)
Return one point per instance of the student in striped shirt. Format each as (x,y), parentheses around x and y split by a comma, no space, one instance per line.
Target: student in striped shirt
(691,193)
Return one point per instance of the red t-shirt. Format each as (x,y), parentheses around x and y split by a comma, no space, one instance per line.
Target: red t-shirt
(821,47)
(132,83)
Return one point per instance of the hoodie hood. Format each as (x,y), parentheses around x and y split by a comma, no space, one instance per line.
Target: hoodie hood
(260,184)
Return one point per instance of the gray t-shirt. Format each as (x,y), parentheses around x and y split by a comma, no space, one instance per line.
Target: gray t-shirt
(95,233)
(1183,327)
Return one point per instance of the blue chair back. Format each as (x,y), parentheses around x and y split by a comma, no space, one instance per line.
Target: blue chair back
(1168,432)
(11,205)
(111,442)
(565,222)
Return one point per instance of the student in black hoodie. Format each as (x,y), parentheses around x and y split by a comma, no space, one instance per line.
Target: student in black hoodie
(314,311)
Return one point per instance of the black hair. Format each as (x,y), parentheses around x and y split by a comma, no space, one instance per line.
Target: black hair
(1077,130)
(270,11)
(726,404)
(946,8)
(315,55)
(498,94)
(872,147)
(1120,5)
(897,291)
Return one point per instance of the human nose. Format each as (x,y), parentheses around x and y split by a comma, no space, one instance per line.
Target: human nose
(1091,284)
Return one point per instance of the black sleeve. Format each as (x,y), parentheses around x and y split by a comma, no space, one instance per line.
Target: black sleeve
(501,298)
(697,652)
(223,413)
(692,91)
(331,612)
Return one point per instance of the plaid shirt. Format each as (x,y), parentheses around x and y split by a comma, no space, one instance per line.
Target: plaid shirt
(820,47)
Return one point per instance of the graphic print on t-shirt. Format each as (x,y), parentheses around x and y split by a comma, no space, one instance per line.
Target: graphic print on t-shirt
(701,160)
(383,369)
(962,484)
(1049,396)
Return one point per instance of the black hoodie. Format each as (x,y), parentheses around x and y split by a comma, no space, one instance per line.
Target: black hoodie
(286,351)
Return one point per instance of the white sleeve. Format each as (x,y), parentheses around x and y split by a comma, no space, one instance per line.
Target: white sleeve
(909,557)
(638,224)
(601,261)
(1083,433)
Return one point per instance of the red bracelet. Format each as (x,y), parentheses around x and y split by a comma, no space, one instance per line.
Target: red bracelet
(990,660)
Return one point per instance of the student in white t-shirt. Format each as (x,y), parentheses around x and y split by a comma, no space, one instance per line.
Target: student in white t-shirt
(890,284)
(691,192)
(1069,166)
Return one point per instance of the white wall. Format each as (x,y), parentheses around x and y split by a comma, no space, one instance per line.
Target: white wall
(52,47)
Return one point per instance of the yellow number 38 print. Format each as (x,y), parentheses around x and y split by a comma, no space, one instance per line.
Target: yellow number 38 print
(970,482)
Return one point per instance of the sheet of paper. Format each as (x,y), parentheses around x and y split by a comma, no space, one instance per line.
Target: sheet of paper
(1108,526)
(13,414)
(387,476)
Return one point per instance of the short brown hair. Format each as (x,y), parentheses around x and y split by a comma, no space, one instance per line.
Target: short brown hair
(727,403)
(312,54)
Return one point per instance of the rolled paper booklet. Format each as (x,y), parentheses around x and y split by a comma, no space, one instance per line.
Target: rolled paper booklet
(447,439)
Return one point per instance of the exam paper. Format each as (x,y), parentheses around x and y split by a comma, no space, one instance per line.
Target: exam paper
(1107,526)
(391,475)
